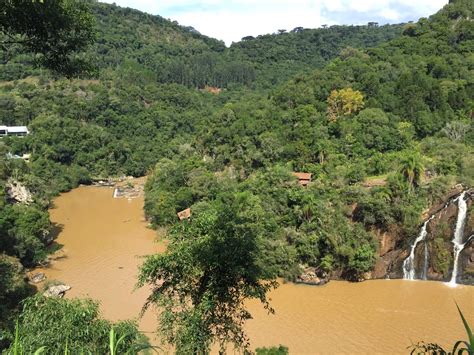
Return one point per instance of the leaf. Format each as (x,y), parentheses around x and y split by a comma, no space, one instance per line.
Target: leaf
(468,331)
(40,350)
(112,341)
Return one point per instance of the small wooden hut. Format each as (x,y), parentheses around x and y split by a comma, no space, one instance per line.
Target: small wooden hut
(184,214)
(303,178)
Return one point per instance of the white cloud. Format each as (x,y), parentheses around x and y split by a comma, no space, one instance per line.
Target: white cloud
(232,26)
(230,20)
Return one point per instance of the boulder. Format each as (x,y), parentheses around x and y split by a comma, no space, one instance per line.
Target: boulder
(310,276)
(38,277)
(56,290)
(17,192)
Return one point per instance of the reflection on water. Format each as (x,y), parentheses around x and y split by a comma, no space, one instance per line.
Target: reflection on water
(104,238)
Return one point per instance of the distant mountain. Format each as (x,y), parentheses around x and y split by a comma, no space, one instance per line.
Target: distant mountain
(171,53)
(281,55)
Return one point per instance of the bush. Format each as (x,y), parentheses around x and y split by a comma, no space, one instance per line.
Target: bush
(55,322)
(280,350)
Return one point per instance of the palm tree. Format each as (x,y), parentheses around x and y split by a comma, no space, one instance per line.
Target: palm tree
(411,167)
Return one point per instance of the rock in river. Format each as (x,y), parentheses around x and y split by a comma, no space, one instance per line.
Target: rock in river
(56,290)
(38,277)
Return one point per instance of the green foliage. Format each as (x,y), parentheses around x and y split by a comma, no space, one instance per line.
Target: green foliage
(280,350)
(57,324)
(344,102)
(362,260)
(55,30)
(211,266)
(14,289)
(279,56)
(24,231)
(411,167)
(145,112)
(441,258)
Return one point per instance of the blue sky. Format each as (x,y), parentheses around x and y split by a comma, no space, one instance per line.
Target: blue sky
(233,19)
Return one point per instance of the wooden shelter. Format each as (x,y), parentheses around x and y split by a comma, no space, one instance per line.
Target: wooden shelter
(303,178)
(184,214)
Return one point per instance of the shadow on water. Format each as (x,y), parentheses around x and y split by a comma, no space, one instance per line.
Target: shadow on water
(53,246)
(54,232)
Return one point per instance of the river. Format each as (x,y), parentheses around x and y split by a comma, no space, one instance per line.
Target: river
(103,240)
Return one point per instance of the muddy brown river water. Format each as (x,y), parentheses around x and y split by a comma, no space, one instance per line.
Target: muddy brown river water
(104,238)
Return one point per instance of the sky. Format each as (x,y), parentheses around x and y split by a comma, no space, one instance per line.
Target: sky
(230,20)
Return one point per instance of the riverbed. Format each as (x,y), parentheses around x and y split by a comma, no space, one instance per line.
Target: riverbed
(104,239)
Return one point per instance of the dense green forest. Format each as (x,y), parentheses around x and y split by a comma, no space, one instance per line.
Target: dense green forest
(129,41)
(349,104)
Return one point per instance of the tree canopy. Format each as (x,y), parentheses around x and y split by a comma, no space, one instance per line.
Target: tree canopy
(56,31)
(211,267)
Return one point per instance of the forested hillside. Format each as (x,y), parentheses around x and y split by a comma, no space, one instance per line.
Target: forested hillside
(381,116)
(277,57)
(388,116)
(130,41)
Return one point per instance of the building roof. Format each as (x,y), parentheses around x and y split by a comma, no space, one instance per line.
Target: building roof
(184,214)
(17,129)
(303,176)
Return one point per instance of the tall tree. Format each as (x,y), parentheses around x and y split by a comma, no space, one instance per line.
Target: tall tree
(210,268)
(344,102)
(412,168)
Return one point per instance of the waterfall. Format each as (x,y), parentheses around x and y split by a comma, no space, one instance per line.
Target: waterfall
(409,263)
(457,241)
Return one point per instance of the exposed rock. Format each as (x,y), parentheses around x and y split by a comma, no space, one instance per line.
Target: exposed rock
(311,277)
(104,183)
(441,204)
(129,191)
(432,275)
(389,253)
(37,278)
(56,290)
(18,192)
(467,264)
(212,89)
(394,261)
(388,240)
(373,182)
(393,243)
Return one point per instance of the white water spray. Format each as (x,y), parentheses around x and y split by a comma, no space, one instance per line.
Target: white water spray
(409,263)
(457,241)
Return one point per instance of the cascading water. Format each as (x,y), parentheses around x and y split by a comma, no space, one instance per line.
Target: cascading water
(409,263)
(409,272)
(457,241)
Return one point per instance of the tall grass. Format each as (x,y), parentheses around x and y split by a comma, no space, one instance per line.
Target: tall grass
(115,340)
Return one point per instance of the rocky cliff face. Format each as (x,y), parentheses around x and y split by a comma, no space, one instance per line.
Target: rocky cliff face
(392,250)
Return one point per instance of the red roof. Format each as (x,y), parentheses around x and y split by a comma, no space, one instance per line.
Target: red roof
(184,214)
(303,176)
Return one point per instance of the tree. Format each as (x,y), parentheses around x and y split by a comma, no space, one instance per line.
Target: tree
(210,268)
(56,30)
(456,130)
(14,289)
(411,167)
(344,102)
